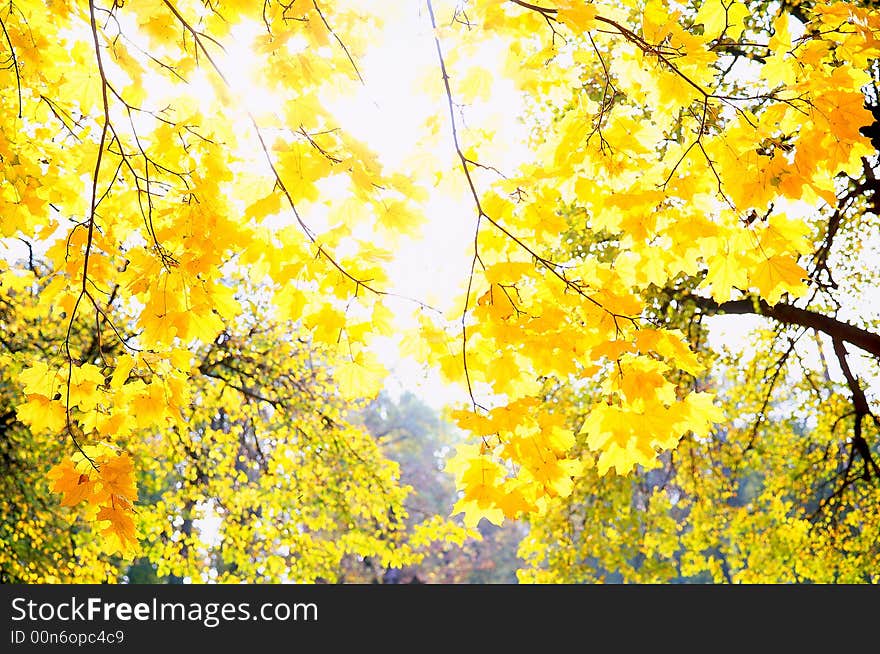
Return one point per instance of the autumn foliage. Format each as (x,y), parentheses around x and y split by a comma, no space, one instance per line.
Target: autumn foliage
(200,274)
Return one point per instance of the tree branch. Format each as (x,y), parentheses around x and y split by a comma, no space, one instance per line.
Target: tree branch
(792,315)
(14,64)
(862,409)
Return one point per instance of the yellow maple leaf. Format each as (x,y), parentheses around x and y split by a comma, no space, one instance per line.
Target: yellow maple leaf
(360,377)
(577,15)
(623,438)
(719,17)
(784,234)
(116,478)
(149,404)
(42,414)
(475,423)
(725,273)
(124,366)
(266,206)
(671,345)
(120,535)
(327,323)
(640,378)
(777,275)
(474,512)
(477,83)
(84,383)
(39,379)
(480,478)
(513,503)
(702,413)
(398,218)
(73,485)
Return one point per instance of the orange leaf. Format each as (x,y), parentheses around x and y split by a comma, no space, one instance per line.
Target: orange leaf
(73,485)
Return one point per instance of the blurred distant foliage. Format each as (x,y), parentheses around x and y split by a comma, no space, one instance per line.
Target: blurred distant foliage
(414,435)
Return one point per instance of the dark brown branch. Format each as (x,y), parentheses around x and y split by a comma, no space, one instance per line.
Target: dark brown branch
(546,11)
(779,366)
(476,197)
(862,410)
(14,65)
(792,315)
(84,292)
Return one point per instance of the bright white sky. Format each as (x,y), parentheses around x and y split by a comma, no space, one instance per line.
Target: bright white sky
(389,114)
(403,89)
